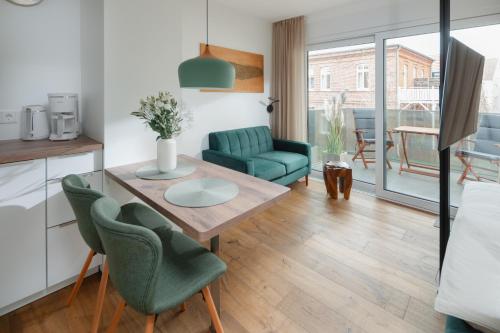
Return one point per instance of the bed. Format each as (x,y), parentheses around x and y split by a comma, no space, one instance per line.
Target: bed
(470,278)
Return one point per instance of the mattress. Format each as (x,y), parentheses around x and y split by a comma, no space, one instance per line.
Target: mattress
(470,278)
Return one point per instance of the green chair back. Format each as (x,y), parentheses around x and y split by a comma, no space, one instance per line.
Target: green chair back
(133,253)
(81,197)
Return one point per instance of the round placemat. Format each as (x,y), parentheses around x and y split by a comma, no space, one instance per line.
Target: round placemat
(152,172)
(204,192)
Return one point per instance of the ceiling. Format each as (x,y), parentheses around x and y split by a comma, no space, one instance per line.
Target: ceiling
(275,10)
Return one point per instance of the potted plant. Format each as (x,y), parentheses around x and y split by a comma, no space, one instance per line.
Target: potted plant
(163,115)
(335,138)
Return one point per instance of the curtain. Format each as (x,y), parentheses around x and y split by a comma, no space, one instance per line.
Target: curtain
(289,120)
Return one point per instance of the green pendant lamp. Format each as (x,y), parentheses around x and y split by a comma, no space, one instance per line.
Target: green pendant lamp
(206,71)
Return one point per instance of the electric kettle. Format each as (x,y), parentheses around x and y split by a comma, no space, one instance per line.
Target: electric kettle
(35,123)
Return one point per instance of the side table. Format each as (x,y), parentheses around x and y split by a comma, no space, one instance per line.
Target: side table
(337,178)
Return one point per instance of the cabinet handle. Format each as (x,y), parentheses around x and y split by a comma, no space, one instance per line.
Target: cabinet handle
(62,225)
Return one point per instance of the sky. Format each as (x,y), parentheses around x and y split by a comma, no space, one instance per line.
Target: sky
(483,39)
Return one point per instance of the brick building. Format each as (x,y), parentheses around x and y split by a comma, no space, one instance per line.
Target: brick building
(354,72)
(409,80)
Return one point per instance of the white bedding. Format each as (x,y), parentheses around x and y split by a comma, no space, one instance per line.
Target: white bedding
(470,280)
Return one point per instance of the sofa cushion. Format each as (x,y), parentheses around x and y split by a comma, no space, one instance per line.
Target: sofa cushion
(292,161)
(268,170)
(243,142)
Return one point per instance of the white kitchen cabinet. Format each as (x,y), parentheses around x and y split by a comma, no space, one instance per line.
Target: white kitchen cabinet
(60,166)
(22,230)
(58,207)
(66,253)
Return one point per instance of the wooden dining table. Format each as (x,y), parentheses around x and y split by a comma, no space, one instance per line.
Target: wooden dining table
(414,167)
(207,223)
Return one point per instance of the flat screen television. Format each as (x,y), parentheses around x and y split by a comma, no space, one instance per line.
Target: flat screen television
(461,93)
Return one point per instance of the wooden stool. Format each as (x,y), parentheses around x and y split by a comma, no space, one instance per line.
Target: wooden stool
(331,173)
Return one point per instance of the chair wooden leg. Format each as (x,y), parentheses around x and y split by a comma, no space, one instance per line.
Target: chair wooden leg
(150,323)
(79,281)
(211,309)
(307,180)
(116,317)
(183,307)
(467,168)
(100,299)
(357,152)
(363,159)
(389,165)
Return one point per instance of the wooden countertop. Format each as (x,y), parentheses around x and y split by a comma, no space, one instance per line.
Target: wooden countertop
(19,150)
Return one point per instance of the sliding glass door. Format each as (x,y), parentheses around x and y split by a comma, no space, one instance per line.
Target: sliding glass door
(409,110)
(391,111)
(408,117)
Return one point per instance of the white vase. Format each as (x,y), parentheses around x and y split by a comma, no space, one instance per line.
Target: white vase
(331,157)
(166,154)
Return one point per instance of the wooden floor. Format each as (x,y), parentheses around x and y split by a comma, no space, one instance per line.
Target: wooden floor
(309,264)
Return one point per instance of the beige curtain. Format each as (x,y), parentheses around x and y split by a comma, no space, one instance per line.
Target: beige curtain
(289,120)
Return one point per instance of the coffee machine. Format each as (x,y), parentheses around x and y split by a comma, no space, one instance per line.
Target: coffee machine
(64,116)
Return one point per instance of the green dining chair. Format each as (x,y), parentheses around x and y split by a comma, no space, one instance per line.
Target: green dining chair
(81,197)
(153,271)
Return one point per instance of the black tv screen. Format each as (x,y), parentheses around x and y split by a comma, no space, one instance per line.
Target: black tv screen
(461,93)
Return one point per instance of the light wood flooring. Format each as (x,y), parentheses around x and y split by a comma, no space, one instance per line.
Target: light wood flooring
(308,264)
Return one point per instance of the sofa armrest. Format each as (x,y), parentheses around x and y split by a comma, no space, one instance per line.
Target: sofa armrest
(298,147)
(240,164)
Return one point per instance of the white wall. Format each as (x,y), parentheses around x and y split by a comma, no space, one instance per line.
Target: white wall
(145,41)
(221,111)
(364,18)
(92,68)
(39,54)
(142,50)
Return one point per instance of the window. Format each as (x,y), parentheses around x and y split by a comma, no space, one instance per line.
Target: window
(326,78)
(311,78)
(405,76)
(362,77)
(414,72)
(420,73)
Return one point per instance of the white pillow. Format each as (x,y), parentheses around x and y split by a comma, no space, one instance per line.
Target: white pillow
(470,278)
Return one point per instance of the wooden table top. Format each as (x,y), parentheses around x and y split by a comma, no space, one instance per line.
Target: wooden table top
(19,150)
(417,130)
(202,224)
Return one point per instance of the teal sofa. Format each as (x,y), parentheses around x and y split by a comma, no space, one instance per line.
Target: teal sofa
(253,151)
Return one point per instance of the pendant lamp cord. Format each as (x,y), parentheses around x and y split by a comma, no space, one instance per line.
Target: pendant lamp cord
(207,23)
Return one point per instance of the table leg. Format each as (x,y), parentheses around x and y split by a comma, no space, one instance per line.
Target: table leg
(347,185)
(405,151)
(335,188)
(215,286)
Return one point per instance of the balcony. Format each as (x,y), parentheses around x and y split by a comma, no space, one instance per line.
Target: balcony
(426,98)
(421,149)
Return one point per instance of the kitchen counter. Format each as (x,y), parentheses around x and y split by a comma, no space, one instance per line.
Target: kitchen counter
(19,150)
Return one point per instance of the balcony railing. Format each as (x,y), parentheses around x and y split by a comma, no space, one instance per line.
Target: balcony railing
(421,148)
(427,97)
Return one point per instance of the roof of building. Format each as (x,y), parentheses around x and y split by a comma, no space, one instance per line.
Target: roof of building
(330,52)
